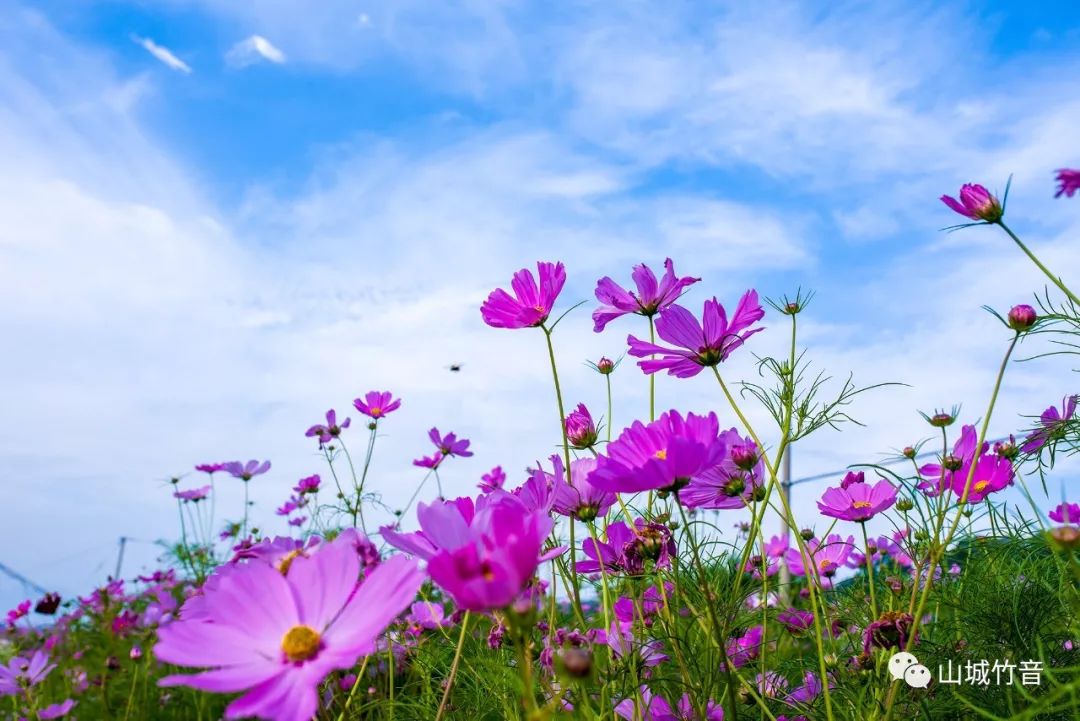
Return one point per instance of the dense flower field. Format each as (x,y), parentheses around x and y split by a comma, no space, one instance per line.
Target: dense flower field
(599,588)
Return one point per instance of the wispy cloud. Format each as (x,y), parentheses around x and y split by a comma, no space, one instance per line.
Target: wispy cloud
(163,54)
(255,49)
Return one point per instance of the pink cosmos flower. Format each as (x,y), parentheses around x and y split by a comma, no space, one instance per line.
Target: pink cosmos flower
(1068,182)
(827,556)
(1052,422)
(727,485)
(18,612)
(580,429)
(650,298)
(531,304)
(277,636)
(745,648)
(858,502)
(852,477)
(697,346)
(246,471)
(308,485)
(57,710)
(195,494)
(976,202)
(377,404)
(449,445)
(486,565)
(655,708)
(1066,513)
(431,461)
(579,498)
(443,524)
(626,549)
(623,643)
(492,480)
(666,454)
(21,673)
(810,689)
(330,430)
(210,468)
(992,472)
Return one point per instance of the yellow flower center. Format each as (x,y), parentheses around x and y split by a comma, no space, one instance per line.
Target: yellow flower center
(979,486)
(662,454)
(539,308)
(825,565)
(300,643)
(284,564)
(860,504)
(376,412)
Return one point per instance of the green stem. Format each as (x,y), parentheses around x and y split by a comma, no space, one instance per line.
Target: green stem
(652,376)
(939,550)
(453,668)
(609,421)
(352,691)
(566,458)
(869,570)
(1046,271)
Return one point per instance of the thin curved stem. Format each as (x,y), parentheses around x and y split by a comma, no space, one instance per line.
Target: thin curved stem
(453,668)
(1046,271)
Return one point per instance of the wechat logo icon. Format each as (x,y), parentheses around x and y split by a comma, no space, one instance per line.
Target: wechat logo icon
(905,666)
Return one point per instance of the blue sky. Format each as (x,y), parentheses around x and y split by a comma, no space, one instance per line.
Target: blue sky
(207,247)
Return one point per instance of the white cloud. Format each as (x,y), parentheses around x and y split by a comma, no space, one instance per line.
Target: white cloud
(163,54)
(254,49)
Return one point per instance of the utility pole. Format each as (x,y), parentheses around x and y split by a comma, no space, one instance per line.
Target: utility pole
(785,488)
(120,557)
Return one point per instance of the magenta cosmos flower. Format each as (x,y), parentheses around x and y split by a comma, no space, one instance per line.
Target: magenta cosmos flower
(328,431)
(376,404)
(626,549)
(828,555)
(666,454)
(531,304)
(580,429)
(655,708)
(449,445)
(1052,422)
(650,298)
(992,472)
(858,502)
(730,484)
(195,494)
(1066,513)
(210,468)
(1068,182)
(246,471)
(698,347)
(579,498)
(492,480)
(976,202)
(277,636)
(486,565)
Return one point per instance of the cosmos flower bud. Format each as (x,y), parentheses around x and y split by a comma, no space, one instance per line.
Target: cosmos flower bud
(976,202)
(1064,538)
(576,662)
(894,584)
(580,428)
(1007,449)
(908,452)
(135,654)
(952,463)
(1022,317)
(904,504)
(806,534)
(758,495)
(605,365)
(745,456)
(941,419)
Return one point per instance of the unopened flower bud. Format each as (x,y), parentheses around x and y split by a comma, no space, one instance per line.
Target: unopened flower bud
(576,662)
(952,463)
(908,452)
(904,504)
(135,654)
(806,534)
(745,456)
(1022,317)
(759,494)
(605,365)
(941,419)
(1064,538)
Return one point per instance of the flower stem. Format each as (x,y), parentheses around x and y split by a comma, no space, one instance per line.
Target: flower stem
(609,422)
(1046,271)
(869,569)
(453,667)
(566,457)
(939,549)
(652,376)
